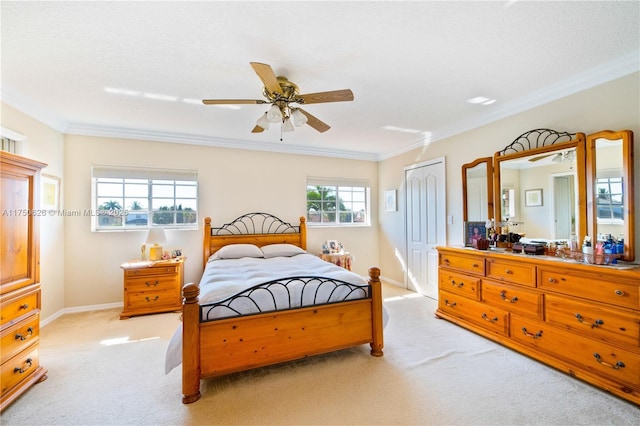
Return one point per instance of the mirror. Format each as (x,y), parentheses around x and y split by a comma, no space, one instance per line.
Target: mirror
(477,190)
(540,186)
(610,188)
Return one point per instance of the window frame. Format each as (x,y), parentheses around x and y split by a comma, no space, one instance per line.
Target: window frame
(353,187)
(129,177)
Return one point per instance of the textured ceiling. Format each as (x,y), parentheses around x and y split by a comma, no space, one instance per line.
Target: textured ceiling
(410,65)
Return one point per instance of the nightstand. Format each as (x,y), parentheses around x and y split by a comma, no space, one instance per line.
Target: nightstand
(340,259)
(152,287)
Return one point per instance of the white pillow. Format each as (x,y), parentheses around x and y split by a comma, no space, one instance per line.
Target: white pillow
(236,251)
(281,250)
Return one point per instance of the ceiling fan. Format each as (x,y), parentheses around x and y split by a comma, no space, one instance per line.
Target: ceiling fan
(284,95)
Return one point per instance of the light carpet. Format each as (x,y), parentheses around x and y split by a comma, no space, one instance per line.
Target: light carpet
(104,371)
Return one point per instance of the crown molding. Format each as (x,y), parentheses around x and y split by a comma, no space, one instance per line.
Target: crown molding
(32,109)
(620,67)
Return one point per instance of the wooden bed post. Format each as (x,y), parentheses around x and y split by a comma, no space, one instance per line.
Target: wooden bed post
(303,232)
(376,304)
(206,244)
(190,344)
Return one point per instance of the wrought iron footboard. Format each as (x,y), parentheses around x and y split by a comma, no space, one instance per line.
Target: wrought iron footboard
(285,294)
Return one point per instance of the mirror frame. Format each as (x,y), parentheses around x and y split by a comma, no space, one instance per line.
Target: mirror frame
(541,141)
(627,188)
(465,167)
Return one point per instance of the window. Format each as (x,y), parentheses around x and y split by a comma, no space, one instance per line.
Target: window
(337,202)
(139,198)
(609,200)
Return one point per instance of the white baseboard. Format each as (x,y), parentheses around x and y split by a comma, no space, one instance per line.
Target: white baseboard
(77,309)
(393,282)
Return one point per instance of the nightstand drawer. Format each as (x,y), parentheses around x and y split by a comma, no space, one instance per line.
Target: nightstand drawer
(513,272)
(153,300)
(19,336)
(156,270)
(151,283)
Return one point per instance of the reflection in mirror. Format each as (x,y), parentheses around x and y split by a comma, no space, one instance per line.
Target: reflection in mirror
(477,190)
(610,188)
(541,186)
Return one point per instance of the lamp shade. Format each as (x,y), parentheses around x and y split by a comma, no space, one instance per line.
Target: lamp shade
(274,115)
(156,236)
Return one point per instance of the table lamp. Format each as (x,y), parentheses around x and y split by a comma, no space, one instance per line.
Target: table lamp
(155,238)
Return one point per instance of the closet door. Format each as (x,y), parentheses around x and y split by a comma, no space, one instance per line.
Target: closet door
(425,224)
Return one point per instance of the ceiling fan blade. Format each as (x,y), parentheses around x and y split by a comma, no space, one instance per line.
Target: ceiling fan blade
(232,101)
(268,77)
(257,129)
(314,122)
(540,157)
(333,96)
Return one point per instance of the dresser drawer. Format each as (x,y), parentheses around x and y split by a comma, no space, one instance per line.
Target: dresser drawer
(15,309)
(156,270)
(593,321)
(151,283)
(512,298)
(485,316)
(152,301)
(471,263)
(597,357)
(589,286)
(511,271)
(463,285)
(19,368)
(19,336)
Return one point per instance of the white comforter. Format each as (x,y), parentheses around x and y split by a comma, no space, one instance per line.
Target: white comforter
(225,278)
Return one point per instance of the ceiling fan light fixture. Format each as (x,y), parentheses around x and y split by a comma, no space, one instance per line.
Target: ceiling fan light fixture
(263,121)
(299,119)
(287,125)
(274,115)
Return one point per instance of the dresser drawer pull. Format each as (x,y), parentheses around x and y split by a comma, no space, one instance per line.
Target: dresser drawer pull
(596,323)
(508,271)
(618,365)
(475,265)
(21,337)
(533,336)
(445,260)
(619,293)
(451,305)
(503,296)
(455,284)
(25,306)
(150,283)
(21,370)
(152,300)
(486,318)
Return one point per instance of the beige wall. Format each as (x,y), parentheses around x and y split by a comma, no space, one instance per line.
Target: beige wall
(231,182)
(612,106)
(46,145)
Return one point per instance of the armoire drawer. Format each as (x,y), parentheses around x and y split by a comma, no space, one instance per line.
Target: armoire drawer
(19,367)
(464,285)
(513,298)
(589,286)
(14,309)
(618,364)
(485,316)
(19,336)
(596,322)
(511,271)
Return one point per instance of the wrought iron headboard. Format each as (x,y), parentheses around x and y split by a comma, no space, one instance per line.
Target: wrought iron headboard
(256,224)
(536,138)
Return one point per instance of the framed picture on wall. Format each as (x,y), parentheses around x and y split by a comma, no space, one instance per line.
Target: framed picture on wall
(474,231)
(390,204)
(50,192)
(533,197)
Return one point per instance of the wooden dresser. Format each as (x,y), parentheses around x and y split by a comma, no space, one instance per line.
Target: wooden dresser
(152,287)
(19,276)
(581,319)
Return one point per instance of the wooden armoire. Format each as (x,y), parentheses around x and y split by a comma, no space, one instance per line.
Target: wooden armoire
(20,298)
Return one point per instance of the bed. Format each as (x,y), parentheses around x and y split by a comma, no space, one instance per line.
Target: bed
(264,300)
